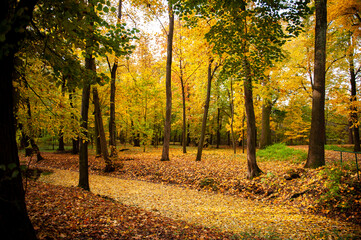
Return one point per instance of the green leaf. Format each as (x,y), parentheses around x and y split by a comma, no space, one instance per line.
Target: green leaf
(113,9)
(106,9)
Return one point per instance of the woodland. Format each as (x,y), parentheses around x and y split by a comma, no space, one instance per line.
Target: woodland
(254,101)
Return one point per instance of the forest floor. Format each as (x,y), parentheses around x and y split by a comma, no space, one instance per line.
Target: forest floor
(184,199)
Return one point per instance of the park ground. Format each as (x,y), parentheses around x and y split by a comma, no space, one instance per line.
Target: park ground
(325,201)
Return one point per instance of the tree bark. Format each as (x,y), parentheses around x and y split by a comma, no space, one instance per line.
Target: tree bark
(184,127)
(109,167)
(83,148)
(231,106)
(353,99)
(316,149)
(98,149)
(252,168)
(219,126)
(265,139)
(75,140)
(168,83)
(14,220)
(113,76)
(206,107)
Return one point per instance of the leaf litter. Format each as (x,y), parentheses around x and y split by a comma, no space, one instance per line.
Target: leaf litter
(268,204)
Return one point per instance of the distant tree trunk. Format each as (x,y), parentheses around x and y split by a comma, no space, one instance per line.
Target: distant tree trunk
(353,99)
(206,107)
(219,126)
(265,139)
(61,145)
(316,149)
(253,169)
(231,106)
(113,76)
(14,220)
(168,83)
(350,133)
(109,167)
(31,147)
(184,128)
(98,150)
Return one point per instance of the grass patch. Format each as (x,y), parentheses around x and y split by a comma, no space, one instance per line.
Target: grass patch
(280,152)
(337,148)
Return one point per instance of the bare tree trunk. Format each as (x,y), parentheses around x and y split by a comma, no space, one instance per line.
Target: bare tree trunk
(265,139)
(354,117)
(83,147)
(232,119)
(113,76)
(350,133)
(109,167)
(219,126)
(75,140)
(316,149)
(206,107)
(253,169)
(14,220)
(98,149)
(168,83)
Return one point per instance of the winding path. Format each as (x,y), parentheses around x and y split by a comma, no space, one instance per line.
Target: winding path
(209,209)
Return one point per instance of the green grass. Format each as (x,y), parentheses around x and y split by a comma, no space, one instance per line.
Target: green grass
(280,152)
(338,148)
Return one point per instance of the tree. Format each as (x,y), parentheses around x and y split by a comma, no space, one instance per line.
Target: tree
(109,166)
(211,73)
(168,114)
(15,16)
(251,34)
(113,76)
(316,151)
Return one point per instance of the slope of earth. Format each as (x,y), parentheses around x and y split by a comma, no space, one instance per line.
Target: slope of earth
(225,212)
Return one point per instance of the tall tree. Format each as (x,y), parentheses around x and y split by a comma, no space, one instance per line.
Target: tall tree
(353,99)
(316,149)
(109,166)
(113,76)
(168,114)
(211,73)
(15,16)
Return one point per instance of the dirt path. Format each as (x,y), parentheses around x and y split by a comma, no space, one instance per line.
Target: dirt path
(209,209)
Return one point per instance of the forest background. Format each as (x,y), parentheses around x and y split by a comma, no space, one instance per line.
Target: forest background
(125,72)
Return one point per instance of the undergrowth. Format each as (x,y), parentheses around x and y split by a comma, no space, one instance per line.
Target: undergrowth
(280,152)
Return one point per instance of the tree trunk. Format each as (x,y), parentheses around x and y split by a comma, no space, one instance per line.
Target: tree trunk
(31,147)
(206,107)
(265,139)
(184,128)
(98,150)
(83,151)
(219,126)
(350,133)
(75,140)
(113,76)
(61,145)
(109,167)
(232,119)
(353,99)
(14,220)
(316,149)
(253,169)
(168,83)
